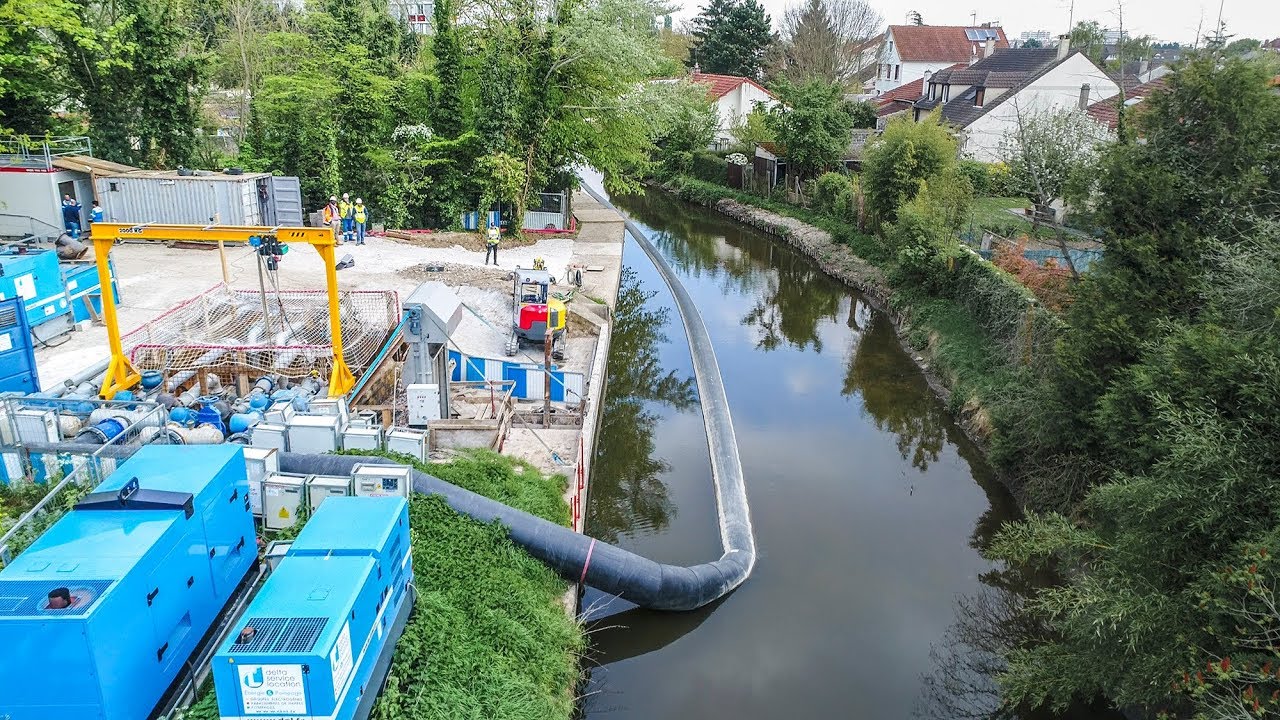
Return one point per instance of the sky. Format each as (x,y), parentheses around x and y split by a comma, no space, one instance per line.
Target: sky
(1167,20)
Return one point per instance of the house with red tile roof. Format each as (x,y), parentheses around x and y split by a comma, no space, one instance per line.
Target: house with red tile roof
(909,51)
(902,98)
(1107,112)
(735,97)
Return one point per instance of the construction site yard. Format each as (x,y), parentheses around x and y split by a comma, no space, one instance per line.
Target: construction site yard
(152,278)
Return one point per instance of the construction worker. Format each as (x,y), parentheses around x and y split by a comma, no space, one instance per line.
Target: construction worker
(71,216)
(345,209)
(332,218)
(491,237)
(95,215)
(360,214)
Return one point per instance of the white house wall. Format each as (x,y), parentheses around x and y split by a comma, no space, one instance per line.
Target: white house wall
(735,105)
(1058,89)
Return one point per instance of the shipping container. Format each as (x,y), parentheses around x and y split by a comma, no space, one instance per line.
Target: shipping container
(204,198)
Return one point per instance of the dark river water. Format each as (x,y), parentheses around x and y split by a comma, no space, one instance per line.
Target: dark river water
(868,502)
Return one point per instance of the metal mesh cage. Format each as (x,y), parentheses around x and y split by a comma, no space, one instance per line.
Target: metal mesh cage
(224,328)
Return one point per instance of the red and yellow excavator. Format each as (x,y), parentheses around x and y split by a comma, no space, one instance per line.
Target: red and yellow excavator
(535,313)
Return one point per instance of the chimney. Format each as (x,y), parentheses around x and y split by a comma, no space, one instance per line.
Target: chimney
(1084,96)
(927,74)
(1144,67)
(1064,46)
(988,48)
(973,54)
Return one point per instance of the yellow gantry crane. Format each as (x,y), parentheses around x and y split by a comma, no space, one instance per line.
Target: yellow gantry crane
(121,373)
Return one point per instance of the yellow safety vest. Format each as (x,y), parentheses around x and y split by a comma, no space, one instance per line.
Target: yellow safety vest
(491,236)
(344,209)
(362,213)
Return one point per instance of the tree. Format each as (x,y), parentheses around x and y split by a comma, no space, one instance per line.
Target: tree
(826,40)
(1046,152)
(1032,43)
(1243,46)
(731,38)
(896,163)
(138,83)
(813,123)
(1090,38)
(684,121)
(32,76)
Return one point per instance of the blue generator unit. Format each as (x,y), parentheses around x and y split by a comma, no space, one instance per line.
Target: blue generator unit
(317,640)
(99,616)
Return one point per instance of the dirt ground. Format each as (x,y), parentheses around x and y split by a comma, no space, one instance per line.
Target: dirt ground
(470,240)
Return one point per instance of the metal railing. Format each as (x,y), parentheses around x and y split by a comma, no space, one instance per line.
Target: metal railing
(39,154)
(79,466)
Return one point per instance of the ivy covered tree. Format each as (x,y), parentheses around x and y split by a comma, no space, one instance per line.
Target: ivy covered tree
(896,163)
(32,74)
(731,37)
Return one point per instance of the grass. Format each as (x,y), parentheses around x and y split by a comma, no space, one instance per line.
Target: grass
(992,213)
(489,637)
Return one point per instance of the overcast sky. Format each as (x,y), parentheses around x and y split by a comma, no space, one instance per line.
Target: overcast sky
(1172,20)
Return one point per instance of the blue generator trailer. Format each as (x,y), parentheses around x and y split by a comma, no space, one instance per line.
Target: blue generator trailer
(316,642)
(100,615)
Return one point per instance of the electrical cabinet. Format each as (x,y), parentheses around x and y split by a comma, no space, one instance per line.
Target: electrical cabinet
(279,412)
(270,436)
(313,434)
(281,499)
(375,480)
(362,438)
(259,463)
(36,426)
(336,407)
(409,442)
(322,487)
(423,403)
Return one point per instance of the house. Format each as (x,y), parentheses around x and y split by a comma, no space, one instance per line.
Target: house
(417,15)
(1272,45)
(735,97)
(910,51)
(1107,113)
(982,101)
(901,99)
(769,164)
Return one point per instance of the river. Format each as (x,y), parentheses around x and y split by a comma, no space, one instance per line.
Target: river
(869,504)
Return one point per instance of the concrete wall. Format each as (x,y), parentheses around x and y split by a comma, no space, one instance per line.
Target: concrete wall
(1059,89)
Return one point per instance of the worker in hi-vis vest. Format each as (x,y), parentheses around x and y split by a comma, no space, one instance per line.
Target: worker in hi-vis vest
(360,214)
(346,212)
(491,238)
(332,217)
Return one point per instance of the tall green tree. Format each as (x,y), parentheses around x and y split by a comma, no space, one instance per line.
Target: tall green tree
(140,84)
(825,40)
(1089,37)
(814,123)
(731,37)
(32,75)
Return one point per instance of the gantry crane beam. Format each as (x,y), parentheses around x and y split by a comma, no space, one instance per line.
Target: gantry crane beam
(121,373)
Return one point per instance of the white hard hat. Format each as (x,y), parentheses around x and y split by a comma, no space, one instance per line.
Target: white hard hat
(359,201)
(345,196)
(333,197)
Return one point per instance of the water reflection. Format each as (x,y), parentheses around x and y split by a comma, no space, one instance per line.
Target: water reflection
(627,489)
(897,399)
(790,307)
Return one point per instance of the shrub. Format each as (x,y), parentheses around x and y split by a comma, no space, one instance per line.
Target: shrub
(897,161)
(978,175)
(1000,181)
(709,166)
(833,193)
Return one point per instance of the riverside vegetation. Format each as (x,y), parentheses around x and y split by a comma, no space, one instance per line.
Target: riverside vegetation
(1138,422)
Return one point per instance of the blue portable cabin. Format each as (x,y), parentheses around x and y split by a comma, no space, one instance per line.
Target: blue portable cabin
(150,559)
(317,639)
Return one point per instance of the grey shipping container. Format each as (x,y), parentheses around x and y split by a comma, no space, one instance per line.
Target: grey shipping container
(166,197)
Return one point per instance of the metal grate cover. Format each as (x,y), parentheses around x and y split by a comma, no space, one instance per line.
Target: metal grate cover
(8,316)
(29,597)
(281,635)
